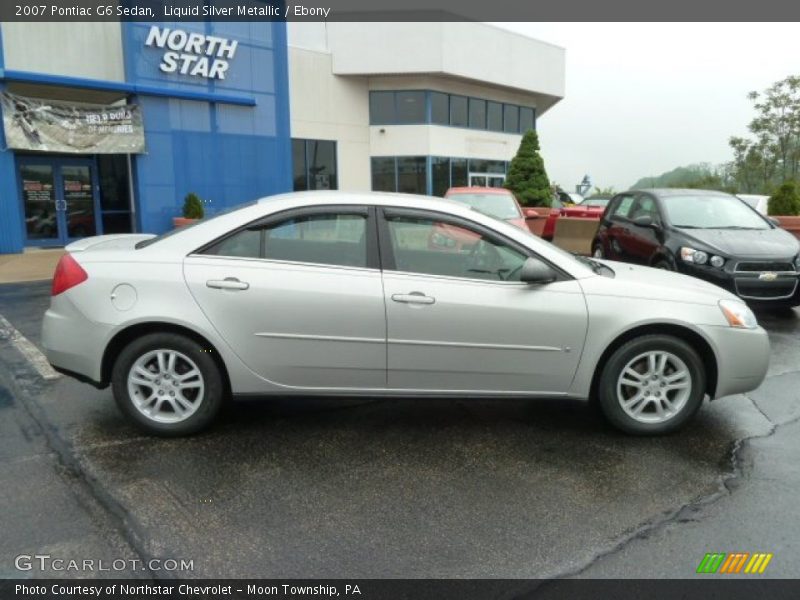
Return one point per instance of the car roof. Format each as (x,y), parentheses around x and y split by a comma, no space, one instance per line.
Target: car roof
(479,190)
(666,192)
(368,198)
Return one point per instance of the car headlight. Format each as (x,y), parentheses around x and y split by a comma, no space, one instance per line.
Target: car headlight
(738,314)
(691,255)
(717,261)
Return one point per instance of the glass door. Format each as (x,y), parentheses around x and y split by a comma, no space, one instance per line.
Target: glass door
(38,189)
(59,198)
(78,202)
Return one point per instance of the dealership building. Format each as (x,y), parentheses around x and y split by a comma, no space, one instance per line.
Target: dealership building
(108,126)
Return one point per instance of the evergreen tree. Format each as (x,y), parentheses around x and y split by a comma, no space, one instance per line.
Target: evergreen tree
(526,177)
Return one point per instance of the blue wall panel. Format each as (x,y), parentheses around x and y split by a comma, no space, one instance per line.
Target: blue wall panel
(226,154)
(11,220)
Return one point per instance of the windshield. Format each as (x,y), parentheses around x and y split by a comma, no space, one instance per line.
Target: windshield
(499,206)
(711,212)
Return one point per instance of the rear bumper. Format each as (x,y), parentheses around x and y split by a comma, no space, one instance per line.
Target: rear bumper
(742,358)
(72,343)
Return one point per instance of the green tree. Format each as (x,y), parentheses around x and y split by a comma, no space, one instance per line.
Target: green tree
(193,206)
(772,156)
(527,177)
(786,200)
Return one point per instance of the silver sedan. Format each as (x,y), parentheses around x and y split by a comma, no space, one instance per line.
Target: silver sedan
(336,293)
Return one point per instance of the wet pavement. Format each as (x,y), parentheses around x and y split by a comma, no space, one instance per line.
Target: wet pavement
(396,488)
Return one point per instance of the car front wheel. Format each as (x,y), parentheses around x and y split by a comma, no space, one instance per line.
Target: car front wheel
(167,384)
(652,385)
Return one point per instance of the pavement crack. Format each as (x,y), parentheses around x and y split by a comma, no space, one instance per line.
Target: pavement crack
(686,513)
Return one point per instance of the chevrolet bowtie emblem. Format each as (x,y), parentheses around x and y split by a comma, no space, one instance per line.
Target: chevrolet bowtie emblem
(768,276)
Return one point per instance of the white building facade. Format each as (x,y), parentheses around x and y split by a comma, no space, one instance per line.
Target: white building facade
(413,107)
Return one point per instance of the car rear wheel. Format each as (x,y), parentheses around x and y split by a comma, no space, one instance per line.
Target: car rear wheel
(167,384)
(652,385)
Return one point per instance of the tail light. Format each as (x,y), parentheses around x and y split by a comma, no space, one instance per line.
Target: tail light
(68,274)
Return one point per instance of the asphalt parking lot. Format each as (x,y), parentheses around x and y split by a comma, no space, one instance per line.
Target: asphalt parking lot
(395,488)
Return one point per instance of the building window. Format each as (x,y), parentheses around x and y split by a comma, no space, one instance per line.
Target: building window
(440,175)
(487,166)
(384,174)
(511,118)
(526,119)
(410,107)
(440,108)
(477,113)
(458,172)
(299,165)
(412,175)
(115,198)
(314,165)
(494,112)
(458,111)
(381,108)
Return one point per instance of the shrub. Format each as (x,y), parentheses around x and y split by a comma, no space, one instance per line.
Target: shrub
(785,201)
(192,206)
(527,177)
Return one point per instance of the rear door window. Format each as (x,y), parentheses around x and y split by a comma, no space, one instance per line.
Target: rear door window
(622,207)
(325,238)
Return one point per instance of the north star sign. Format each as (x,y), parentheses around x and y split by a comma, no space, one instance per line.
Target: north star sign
(190,53)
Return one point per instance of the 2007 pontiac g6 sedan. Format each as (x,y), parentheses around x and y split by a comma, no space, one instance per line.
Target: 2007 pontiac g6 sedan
(334,293)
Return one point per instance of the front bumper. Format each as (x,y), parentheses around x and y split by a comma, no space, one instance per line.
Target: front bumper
(760,285)
(742,358)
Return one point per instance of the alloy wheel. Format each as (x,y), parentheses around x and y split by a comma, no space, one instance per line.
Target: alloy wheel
(166,386)
(654,386)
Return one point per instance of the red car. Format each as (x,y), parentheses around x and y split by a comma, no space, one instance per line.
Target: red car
(590,208)
(495,202)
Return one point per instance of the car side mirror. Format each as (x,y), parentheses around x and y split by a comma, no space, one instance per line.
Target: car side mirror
(645,221)
(536,271)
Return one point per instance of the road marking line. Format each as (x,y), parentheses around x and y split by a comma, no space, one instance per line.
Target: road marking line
(27,349)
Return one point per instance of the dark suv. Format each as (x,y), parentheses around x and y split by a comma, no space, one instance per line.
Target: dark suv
(710,235)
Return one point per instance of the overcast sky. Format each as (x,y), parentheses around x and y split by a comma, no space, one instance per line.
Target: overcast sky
(643,98)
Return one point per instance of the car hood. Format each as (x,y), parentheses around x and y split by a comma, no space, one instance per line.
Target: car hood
(775,243)
(634,281)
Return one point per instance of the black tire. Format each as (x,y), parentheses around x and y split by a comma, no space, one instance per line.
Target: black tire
(611,404)
(213,391)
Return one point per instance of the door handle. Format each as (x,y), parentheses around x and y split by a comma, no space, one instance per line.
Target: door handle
(229,283)
(413,298)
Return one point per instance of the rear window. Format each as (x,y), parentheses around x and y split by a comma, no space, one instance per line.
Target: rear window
(171,232)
